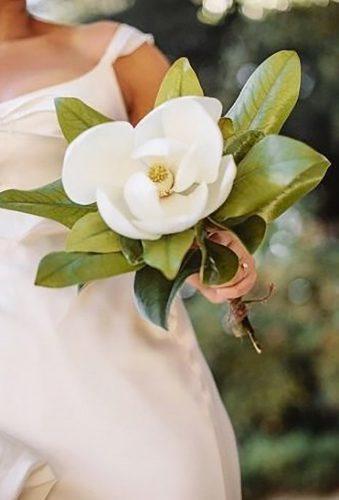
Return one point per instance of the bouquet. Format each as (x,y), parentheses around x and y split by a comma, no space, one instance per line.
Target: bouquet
(146,199)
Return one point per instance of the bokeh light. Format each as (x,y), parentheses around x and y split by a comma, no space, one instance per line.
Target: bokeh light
(213,11)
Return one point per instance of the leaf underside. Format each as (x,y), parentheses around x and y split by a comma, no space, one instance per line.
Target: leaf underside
(240,144)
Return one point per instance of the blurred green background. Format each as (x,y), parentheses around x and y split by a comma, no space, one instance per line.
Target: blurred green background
(284,404)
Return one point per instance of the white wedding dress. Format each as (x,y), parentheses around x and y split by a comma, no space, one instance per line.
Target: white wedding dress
(119,409)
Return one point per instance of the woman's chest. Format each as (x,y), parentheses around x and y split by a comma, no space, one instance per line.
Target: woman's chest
(28,69)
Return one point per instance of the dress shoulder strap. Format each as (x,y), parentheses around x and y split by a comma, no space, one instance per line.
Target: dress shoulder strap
(126,40)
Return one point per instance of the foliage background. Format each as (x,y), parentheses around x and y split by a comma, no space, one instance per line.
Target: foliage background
(285,403)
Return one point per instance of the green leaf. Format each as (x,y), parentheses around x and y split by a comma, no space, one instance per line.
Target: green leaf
(91,234)
(154,293)
(132,250)
(275,173)
(61,269)
(269,95)
(227,128)
(180,80)
(251,232)
(201,235)
(48,201)
(167,253)
(220,264)
(75,117)
(240,144)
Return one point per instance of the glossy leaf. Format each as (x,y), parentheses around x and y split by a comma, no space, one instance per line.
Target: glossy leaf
(180,80)
(155,294)
(269,95)
(75,117)
(239,145)
(220,264)
(251,232)
(275,173)
(167,253)
(91,234)
(61,269)
(49,201)
(132,250)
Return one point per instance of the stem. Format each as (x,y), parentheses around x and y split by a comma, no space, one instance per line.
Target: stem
(240,323)
(239,320)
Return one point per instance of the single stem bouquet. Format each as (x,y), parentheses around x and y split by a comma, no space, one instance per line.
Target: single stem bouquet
(145,199)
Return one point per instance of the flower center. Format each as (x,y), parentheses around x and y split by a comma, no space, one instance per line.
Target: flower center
(163,177)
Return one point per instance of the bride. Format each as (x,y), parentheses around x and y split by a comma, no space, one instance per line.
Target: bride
(117,408)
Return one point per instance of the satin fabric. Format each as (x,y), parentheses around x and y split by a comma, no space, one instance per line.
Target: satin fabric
(119,408)
(22,472)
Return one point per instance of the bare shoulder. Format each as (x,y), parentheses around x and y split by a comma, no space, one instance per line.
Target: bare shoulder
(93,39)
(140,75)
(101,33)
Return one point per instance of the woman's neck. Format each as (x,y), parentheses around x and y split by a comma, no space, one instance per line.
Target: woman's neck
(16,22)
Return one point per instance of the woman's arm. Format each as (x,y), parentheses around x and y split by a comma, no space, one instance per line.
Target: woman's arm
(140,75)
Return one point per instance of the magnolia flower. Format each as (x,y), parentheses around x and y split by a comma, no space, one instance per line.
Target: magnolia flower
(160,177)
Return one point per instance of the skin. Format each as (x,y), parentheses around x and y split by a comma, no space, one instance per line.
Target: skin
(63,53)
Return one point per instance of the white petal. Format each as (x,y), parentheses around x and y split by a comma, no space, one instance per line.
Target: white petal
(99,157)
(221,188)
(160,150)
(180,212)
(183,120)
(187,172)
(212,105)
(188,122)
(150,127)
(197,166)
(142,197)
(113,210)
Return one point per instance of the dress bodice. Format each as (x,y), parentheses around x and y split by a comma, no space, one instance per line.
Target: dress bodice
(31,143)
